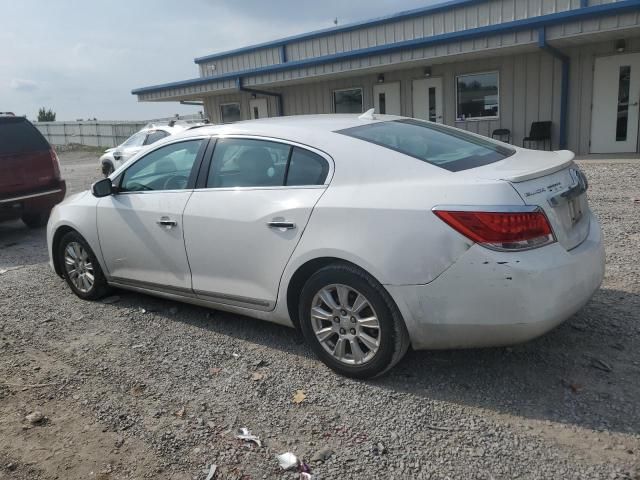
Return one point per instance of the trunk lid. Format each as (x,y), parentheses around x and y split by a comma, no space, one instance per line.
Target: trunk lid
(552,181)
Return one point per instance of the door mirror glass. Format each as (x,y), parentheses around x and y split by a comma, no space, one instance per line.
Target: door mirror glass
(102,188)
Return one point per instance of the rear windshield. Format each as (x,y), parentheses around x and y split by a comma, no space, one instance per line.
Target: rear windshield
(438,145)
(17,135)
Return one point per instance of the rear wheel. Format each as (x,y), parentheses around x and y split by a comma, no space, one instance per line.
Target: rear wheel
(80,268)
(351,322)
(36,220)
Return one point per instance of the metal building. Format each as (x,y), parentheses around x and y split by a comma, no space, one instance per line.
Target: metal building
(481,65)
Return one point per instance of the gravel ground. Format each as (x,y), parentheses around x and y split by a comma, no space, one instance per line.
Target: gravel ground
(146,388)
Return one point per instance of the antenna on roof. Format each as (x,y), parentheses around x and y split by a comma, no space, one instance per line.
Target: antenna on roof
(368,115)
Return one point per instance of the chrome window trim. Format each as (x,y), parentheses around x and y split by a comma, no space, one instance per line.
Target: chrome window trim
(243,189)
(150,192)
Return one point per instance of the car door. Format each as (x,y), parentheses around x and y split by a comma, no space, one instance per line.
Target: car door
(140,227)
(243,225)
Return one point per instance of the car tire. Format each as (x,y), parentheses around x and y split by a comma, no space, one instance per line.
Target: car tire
(349,288)
(36,220)
(107,169)
(74,248)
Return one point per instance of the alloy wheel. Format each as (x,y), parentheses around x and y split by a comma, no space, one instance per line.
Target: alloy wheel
(79,267)
(345,324)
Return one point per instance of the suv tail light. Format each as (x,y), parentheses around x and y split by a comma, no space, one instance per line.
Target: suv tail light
(55,162)
(500,228)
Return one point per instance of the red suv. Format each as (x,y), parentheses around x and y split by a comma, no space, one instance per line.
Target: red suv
(30,182)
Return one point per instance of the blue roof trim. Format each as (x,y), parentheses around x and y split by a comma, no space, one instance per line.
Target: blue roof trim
(524,24)
(344,28)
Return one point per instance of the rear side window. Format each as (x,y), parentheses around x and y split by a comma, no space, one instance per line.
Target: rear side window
(245,162)
(17,135)
(239,162)
(438,145)
(135,140)
(306,168)
(153,137)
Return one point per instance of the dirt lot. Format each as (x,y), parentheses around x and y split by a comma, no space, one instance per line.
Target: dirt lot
(146,388)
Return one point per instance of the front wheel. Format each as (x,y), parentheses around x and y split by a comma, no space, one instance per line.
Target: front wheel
(80,268)
(351,322)
(107,169)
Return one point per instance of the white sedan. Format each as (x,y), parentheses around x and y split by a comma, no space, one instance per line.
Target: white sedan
(370,234)
(113,158)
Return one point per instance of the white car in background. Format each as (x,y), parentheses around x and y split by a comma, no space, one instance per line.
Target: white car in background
(369,234)
(113,158)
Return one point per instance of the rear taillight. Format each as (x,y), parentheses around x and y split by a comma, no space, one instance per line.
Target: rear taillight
(55,163)
(510,228)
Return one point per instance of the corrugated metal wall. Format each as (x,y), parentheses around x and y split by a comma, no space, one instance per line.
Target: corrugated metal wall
(456,19)
(529,91)
(461,18)
(490,45)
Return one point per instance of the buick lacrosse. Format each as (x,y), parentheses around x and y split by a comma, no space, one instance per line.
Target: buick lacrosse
(369,233)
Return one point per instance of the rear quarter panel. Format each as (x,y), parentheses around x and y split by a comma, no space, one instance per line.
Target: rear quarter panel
(377,214)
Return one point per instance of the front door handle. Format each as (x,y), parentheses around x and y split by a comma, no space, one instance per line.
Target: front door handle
(167,222)
(282,225)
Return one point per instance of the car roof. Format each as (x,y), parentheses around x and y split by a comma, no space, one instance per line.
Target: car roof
(315,130)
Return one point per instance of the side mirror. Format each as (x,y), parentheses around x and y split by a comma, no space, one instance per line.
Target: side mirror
(117,155)
(102,188)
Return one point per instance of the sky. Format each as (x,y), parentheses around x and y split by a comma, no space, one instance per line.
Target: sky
(83,58)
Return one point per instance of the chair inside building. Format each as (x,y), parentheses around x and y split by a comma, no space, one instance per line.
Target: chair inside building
(539,132)
(502,134)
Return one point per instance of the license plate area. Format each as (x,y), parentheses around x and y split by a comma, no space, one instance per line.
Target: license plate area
(575,210)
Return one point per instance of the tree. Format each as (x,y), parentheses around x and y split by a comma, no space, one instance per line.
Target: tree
(46,115)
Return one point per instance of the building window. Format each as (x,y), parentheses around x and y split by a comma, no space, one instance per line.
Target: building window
(230,112)
(348,101)
(477,96)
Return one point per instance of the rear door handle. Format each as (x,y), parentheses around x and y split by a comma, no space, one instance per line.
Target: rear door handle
(282,225)
(167,222)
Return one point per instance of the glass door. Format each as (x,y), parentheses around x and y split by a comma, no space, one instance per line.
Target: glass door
(427,99)
(616,99)
(386,98)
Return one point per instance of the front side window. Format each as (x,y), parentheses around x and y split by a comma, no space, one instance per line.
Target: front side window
(444,147)
(153,137)
(167,168)
(239,162)
(348,101)
(477,96)
(230,112)
(135,140)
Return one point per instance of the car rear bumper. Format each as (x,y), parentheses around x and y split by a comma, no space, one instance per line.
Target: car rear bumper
(490,298)
(33,202)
